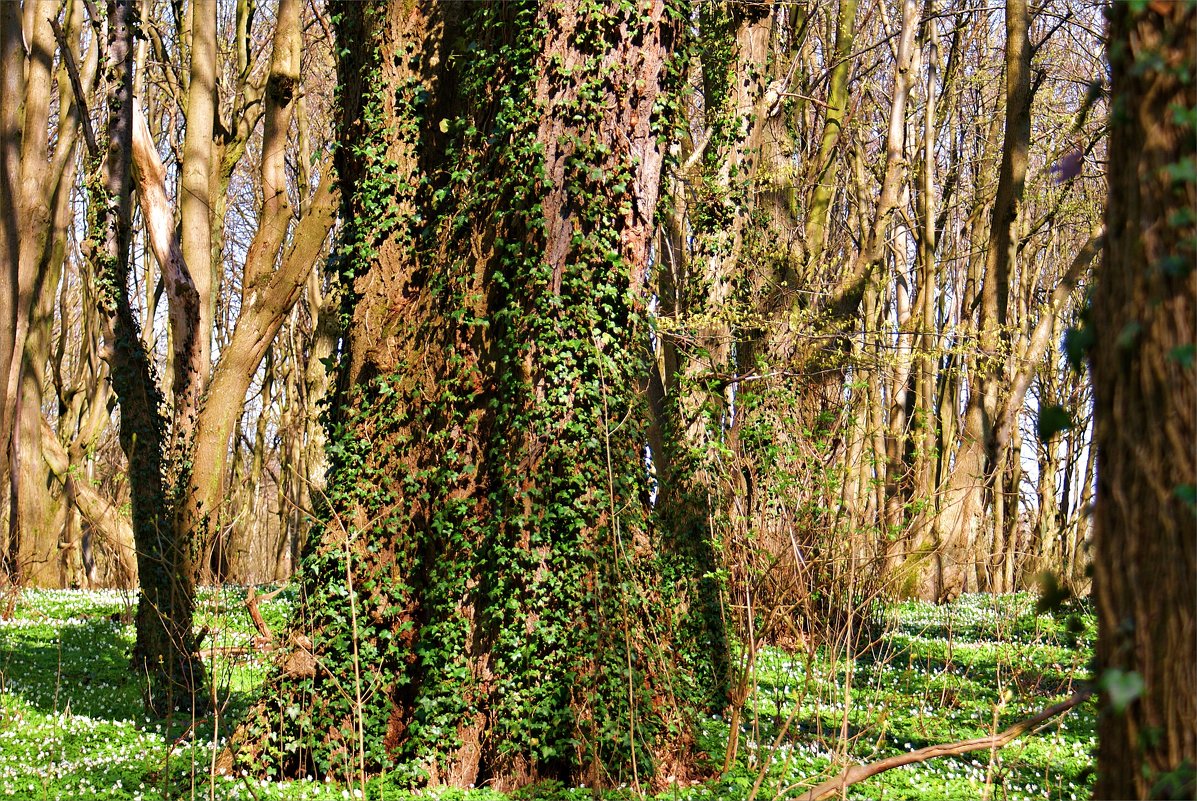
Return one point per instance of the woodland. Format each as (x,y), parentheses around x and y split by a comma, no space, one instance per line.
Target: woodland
(579,398)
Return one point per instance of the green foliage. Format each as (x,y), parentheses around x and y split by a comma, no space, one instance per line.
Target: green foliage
(488,559)
(1052,420)
(932,674)
(71,724)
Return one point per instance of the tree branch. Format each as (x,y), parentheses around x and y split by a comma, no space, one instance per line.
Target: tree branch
(150,175)
(68,58)
(858,773)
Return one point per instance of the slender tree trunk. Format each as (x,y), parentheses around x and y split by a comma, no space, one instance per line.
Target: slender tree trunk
(35,506)
(37,180)
(819,206)
(195,199)
(12,92)
(270,285)
(960,559)
(701,263)
(1144,315)
(165,651)
(924,425)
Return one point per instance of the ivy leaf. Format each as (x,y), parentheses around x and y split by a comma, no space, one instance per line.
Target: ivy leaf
(1183,171)
(1128,335)
(1183,354)
(1188,496)
(1053,420)
(1122,687)
(1077,342)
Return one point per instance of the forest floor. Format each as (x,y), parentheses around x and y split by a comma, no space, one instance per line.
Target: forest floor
(71,725)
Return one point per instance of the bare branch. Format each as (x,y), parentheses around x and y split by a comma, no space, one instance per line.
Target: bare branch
(68,58)
(858,773)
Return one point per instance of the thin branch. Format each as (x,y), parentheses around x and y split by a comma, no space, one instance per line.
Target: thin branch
(68,58)
(858,773)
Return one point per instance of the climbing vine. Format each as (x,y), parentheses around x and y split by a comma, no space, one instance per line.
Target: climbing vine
(514,616)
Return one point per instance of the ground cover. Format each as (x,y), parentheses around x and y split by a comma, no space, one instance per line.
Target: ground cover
(72,726)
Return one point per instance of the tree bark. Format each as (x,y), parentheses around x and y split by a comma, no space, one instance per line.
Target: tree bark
(165,651)
(489,602)
(1144,316)
(37,179)
(270,285)
(819,207)
(196,201)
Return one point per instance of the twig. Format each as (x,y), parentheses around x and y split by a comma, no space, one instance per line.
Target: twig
(858,773)
(68,58)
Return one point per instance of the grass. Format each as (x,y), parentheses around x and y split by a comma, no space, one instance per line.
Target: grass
(72,725)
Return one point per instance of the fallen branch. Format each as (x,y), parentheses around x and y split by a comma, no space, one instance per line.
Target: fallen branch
(858,773)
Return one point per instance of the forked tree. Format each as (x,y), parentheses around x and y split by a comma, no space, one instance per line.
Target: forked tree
(490,600)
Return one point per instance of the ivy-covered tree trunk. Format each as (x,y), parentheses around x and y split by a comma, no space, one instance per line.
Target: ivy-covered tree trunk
(166,649)
(1145,411)
(491,602)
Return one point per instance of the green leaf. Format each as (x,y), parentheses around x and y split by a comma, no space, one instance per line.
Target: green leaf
(1053,420)
(1187,493)
(1077,342)
(1174,266)
(1184,116)
(1183,354)
(1122,687)
(1128,335)
(1183,171)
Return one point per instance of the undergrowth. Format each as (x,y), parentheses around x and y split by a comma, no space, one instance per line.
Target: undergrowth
(72,724)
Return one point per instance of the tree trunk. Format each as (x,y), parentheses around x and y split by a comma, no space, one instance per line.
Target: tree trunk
(195,201)
(1143,313)
(960,560)
(490,602)
(36,180)
(819,206)
(165,651)
(270,285)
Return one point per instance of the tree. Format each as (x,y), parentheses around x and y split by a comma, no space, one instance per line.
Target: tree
(39,128)
(1144,316)
(165,651)
(491,600)
(285,246)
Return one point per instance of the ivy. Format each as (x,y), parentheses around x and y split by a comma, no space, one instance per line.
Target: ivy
(486,481)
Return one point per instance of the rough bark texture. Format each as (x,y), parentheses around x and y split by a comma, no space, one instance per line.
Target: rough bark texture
(489,602)
(1144,314)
